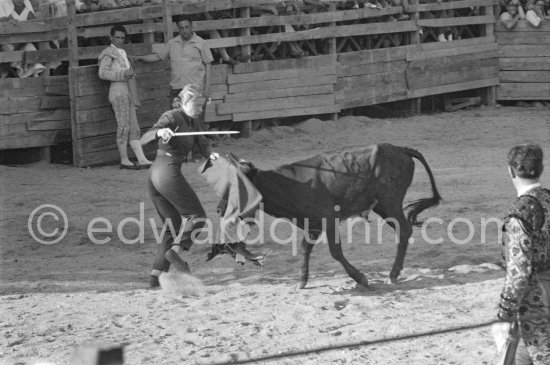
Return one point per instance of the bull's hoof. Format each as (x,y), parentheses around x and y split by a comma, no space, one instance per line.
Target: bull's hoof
(391,280)
(363,281)
(302,284)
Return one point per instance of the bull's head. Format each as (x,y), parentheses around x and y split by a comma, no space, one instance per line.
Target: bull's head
(246,167)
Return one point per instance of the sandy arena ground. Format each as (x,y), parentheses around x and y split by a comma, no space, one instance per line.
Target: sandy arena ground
(55,297)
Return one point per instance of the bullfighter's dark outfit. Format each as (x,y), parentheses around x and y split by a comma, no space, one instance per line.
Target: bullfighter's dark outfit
(172,195)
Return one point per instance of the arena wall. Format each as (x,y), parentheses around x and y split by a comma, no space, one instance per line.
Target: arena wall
(355,58)
(524,62)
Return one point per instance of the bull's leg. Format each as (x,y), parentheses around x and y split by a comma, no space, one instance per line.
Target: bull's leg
(335,248)
(304,269)
(396,219)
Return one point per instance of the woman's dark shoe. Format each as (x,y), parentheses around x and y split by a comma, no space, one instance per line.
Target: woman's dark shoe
(145,166)
(154,282)
(129,167)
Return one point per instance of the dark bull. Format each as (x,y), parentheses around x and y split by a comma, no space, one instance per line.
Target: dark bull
(356,180)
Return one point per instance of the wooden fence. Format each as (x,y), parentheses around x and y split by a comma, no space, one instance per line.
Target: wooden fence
(524,62)
(357,57)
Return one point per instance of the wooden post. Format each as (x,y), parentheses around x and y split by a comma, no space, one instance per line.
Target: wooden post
(332,50)
(73,64)
(246,127)
(167,19)
(415,103)
(488,94)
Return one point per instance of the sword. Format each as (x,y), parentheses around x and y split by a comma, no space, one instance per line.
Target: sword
(203,133)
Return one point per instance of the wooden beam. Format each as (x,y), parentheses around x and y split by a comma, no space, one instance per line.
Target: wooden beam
(279,93)
(454,22)
(447,52)
(540,38)
(316,33)
(525,76)
(449,5)
(281,84)
(279,103)
(525,63)
(522,26)
(442,89)
(371,68)
(280,75)
(524,51)
(306,62)
(281,113)
(523,91)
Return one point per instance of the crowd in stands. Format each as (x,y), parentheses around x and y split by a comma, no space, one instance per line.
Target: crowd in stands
(534,11)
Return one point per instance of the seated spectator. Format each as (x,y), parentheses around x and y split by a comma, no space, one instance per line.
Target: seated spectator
(19,10)
(511,16)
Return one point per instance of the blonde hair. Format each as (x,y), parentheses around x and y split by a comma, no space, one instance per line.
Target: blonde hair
(190,92)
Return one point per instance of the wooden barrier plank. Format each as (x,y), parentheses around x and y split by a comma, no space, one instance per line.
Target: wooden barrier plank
(447,52)
(316,33)
(26,83)
(453,44)
(44,125)
(96,143)
(211,115)
(32,37)
(20,104)
(13,129)
(433,79)
(416,73)
(446,61)
(540,38)
(452,88)
(373,100)
(370,80)
(280,75)
(435,6)
(92,101)
(528,50)
(58,89)
(219,74)
(525,63)
(107,126)
(279,103)
(57,114)
(281,113)
(298,19)
(28,92)
(522,26)
(53,102)
(279,93)
(523,91)
(55,80)
(370,68)
(281,84)
(454,22)
(293,63)
(354,96)
(373,56)
(524,76)
(34,139)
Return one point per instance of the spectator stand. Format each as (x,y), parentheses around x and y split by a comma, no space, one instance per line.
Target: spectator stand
(524,62)
(356,57)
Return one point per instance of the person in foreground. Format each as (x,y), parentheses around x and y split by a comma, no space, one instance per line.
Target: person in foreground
(525,297)
(175,200)
(115,67)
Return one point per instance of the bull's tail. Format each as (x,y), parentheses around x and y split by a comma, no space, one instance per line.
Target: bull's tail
(420,205)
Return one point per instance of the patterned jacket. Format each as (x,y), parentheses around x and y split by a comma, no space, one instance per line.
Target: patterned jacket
(527,254)
(111,67)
